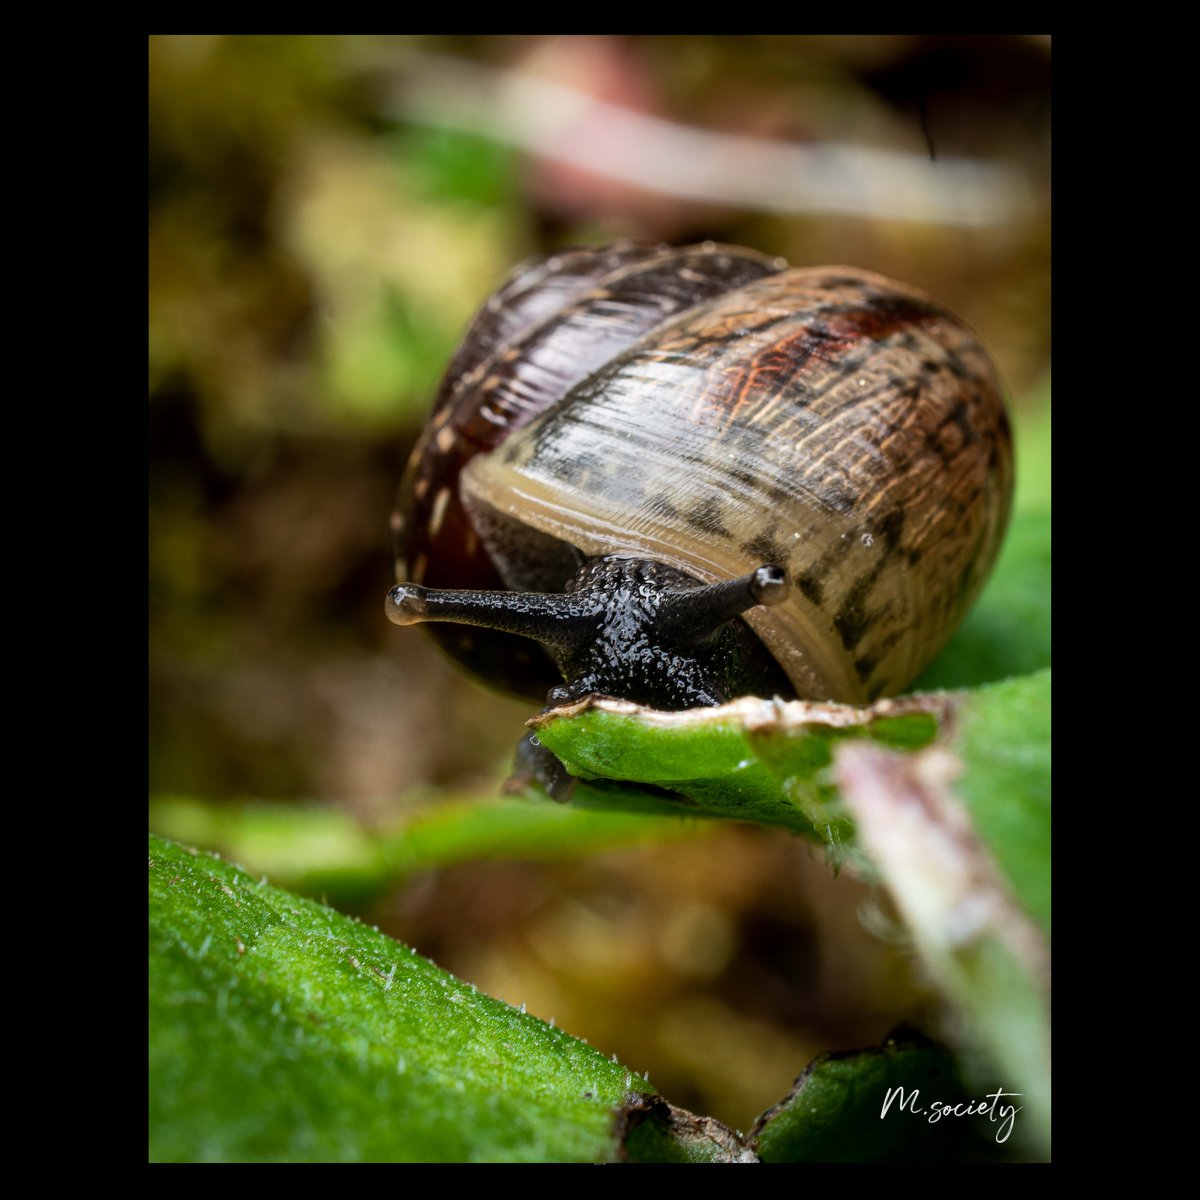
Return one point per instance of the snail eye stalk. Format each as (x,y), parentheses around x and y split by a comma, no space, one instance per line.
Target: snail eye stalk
(624,627)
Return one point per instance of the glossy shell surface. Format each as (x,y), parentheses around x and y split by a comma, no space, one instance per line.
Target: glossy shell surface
(548,327)
(828,420)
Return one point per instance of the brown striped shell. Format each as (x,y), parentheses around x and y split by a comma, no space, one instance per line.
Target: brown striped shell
(708,408)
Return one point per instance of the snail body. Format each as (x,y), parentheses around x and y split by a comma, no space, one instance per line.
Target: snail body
(641,443)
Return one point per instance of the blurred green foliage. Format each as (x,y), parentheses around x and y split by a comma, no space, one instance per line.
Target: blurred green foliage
(324,851)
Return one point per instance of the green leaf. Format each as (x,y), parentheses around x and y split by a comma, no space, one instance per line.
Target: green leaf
(280,1030)
(900,1102)
(703,757)
(960,834)
(752,760)
(882,1105)
(1003,736)
(945,798)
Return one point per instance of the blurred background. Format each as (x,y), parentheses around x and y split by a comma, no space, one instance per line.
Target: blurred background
(326,213)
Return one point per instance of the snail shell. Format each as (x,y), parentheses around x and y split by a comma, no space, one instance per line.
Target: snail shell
(709,409)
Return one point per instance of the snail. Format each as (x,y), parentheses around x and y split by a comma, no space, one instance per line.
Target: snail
(681,475)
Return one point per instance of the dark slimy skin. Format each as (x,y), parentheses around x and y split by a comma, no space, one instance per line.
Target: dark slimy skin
(624,627)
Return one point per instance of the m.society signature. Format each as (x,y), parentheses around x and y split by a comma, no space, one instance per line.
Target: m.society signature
(1002,1115)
